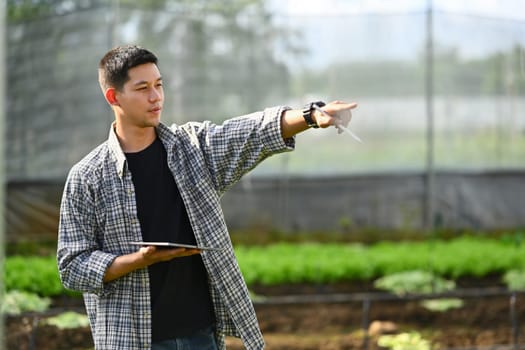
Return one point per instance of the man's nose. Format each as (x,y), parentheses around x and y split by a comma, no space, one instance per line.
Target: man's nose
(155,95)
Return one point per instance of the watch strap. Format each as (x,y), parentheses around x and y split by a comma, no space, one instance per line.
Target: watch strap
(307,113)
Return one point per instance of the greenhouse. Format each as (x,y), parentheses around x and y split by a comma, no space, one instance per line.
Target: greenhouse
(414,233)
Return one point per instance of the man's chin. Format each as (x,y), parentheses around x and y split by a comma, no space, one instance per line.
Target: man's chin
(152,123)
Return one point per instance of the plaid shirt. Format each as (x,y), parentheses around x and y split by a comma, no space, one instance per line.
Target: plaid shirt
(99,215)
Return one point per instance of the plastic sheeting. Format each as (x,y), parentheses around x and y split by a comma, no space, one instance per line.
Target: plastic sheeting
(476,201)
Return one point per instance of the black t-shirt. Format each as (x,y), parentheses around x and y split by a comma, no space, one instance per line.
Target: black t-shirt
(180,298)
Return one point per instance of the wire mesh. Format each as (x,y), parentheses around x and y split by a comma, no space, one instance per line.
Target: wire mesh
(220,61)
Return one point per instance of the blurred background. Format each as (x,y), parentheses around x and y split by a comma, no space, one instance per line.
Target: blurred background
(441,92)
(440,87)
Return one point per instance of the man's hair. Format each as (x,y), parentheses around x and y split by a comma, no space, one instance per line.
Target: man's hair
(113,67)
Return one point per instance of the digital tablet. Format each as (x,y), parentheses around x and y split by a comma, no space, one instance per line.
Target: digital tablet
(174,245)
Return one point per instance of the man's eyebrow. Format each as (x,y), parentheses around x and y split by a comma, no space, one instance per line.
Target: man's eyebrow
(142,82)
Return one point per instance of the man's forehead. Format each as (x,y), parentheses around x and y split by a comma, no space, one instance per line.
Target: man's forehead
(144,73)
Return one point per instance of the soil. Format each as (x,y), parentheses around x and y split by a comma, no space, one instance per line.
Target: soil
(481,323)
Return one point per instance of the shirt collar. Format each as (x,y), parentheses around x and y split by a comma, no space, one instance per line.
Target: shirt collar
(163,132)
(114,147)
(166,135)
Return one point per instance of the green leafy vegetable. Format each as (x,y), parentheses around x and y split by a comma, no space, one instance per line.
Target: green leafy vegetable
(68,320)
(416,281)
(15,302)
(404,341)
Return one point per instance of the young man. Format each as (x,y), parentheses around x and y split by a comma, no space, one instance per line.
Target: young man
(149,182)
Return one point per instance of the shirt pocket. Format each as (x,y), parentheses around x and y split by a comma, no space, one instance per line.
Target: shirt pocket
(117,228)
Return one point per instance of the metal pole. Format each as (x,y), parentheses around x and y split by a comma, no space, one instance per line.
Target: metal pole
(284,192)
(113,23)
(366,321)
(2,160)
(113,19)
(514,321)
(429,102)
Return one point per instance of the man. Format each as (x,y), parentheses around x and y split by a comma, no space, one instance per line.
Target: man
(150,183)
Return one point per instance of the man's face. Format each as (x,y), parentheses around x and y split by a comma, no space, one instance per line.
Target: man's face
(140,101)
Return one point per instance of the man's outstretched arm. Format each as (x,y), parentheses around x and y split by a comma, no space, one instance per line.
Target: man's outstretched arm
(292,121)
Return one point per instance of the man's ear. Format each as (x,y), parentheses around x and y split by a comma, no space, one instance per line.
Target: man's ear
(111,97)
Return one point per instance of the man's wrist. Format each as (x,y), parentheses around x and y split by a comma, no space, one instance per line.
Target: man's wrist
(309,115)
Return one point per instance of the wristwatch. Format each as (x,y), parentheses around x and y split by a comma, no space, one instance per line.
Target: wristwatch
(307,113)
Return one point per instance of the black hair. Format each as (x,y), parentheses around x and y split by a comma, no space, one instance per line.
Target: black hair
(114,66)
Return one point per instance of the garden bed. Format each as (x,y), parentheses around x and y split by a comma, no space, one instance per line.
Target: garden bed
(481,322)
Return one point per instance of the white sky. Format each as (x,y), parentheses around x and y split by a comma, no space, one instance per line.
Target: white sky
(514,9)
(364,38)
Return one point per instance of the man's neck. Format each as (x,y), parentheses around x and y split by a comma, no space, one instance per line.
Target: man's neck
(134,139)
